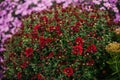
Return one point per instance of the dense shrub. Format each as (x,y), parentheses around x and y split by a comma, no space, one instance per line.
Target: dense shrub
(11,12)
(60,44)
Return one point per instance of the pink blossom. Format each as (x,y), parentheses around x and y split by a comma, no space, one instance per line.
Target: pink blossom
(107,5)
(17,22)
(112,1)
(115,9)
(96,2)
(60,1)
(47,3)
(102,8)
(117,17)
(39,7)
(67,2)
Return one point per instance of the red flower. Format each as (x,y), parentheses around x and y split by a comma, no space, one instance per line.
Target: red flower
(43,41)
(63,10)
(91,49)
(51,54)
(36,27)
(77,50)
(75,28)
(34,35)
(79,41)
(24,65)
(26,35)
(82,20)
(78,24)
(93,16)
(48,40)
(68,71)
(90,62)
(58,30)
(44,18)
(29,52)
(19,75)
(39,76)
(51,28)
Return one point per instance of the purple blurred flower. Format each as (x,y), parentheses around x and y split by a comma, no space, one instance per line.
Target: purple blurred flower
(67,2)
(107,5)
(1,59)
(39,7)
(97,2)
(115,9)
(117,17)
(1,48)
(5,37)
(1,75)
(32,1)
(1,67)
(60,1)
(47,3)
(17,22)
(102,8)
(2,13)
(113,1)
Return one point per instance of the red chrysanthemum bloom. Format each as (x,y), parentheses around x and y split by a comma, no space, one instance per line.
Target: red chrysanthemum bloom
(91,49)
(78,24)
(19,75)
(36,27)
(34,35)
(68,71)
(51,54)
(43,41)
(39,77)
(82,20)
(92,16)
(90,62)
(29,52)
(51,28)
(48,40)
(58,30)
(24,65)
(44,18)
(75,28)
(77,50)
(27,35)
(79,41)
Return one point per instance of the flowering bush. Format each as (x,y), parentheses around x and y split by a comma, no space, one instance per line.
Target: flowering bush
(59,44)
(11,12)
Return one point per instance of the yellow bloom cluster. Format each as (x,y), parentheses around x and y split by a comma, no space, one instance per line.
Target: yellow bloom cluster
(117,31)
(113,47)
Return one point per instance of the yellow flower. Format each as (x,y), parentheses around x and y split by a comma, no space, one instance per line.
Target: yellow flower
(113,47)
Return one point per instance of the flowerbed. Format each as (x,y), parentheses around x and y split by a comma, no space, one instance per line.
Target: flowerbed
(11,12)
(73,42)
(60,44)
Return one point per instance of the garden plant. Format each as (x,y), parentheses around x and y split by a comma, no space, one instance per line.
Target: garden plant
(60,44)
(59,39)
